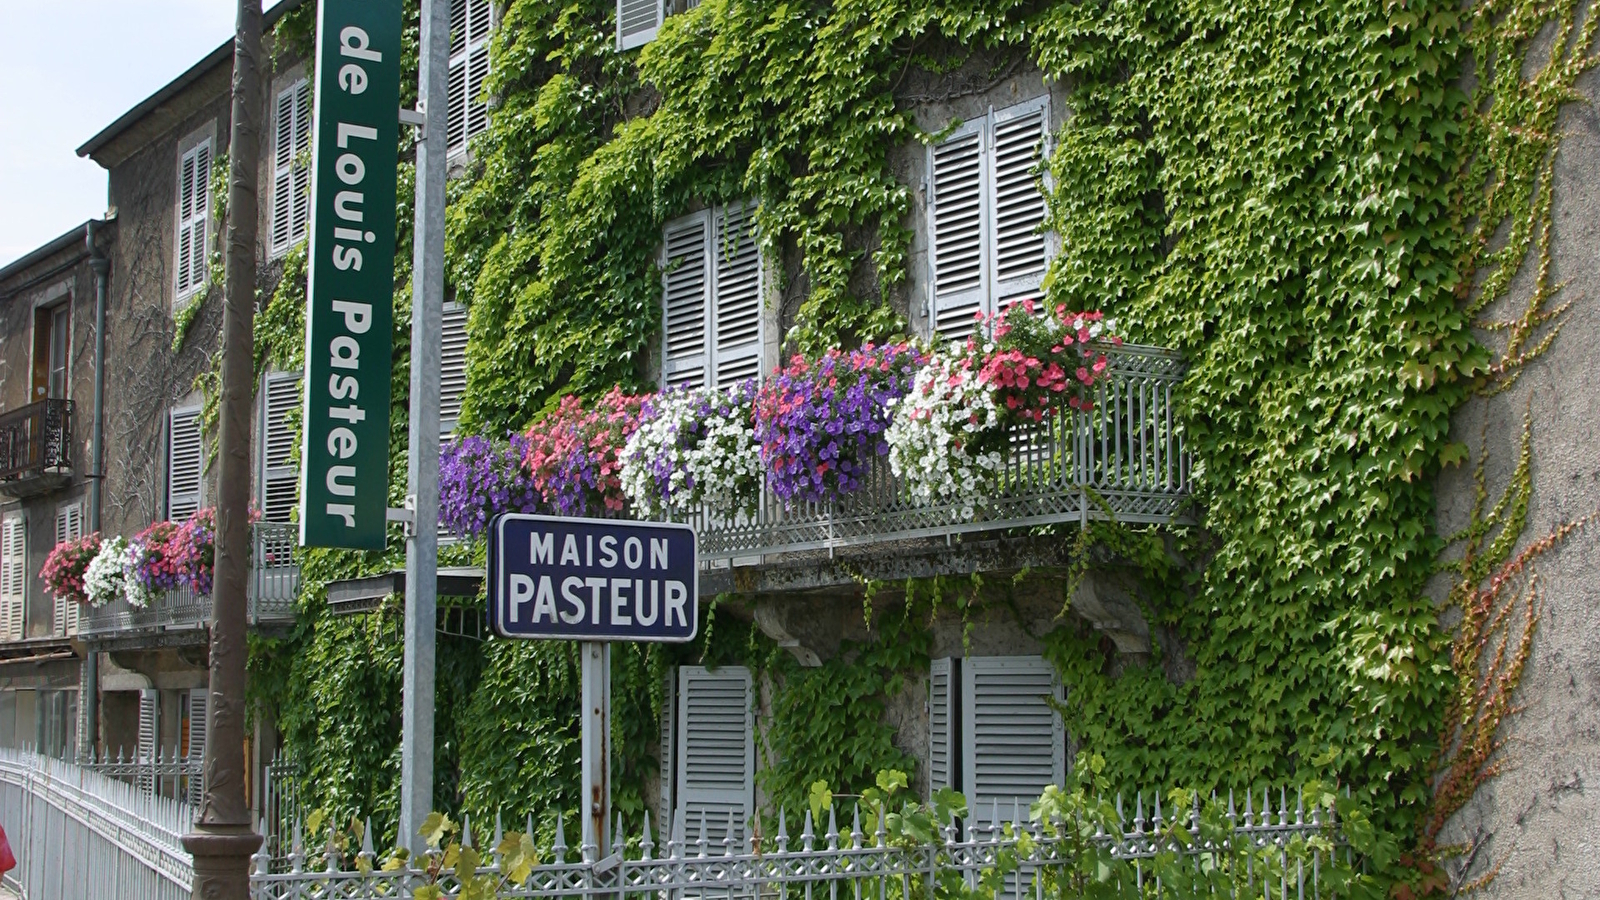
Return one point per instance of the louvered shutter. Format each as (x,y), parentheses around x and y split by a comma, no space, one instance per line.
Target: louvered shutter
(290,176)
(185,459)
(452,366)
(669,708)
(957,213)
(279,486)
(1019,257)
(684,300)
(13,576)
(736,317)
(638,21)
(470,27)
(1013,743)
(716,753)
(69,527)
(194,206)
(944,724)
(149,733)
(198,707)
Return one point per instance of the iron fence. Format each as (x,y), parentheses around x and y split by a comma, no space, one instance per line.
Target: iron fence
(36,439)
(165,775)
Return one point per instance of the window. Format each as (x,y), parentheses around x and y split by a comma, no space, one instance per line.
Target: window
(185,462)
(708,746)
(69,527)
(992,732)
(452,367)
(52,340)
(638,20)
(985,212)
(194,208)
(470,25)
(711,298)
(291,171)
(279,485)
(13,576)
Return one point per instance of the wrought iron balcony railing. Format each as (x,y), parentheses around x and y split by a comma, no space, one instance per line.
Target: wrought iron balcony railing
(1124,460)
(35,441)
(274,581)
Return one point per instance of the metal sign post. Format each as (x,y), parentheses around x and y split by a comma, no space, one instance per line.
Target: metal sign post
(596,581)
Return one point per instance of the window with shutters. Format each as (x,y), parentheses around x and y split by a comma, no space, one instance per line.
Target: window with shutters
(470,27)
(185,463)
(986,211)
(714,755)
(452,367)
(194,211)
(278,488)
(13,576)
(69,527)
(291,167)
(639,20)
(1012,741)
(712,292)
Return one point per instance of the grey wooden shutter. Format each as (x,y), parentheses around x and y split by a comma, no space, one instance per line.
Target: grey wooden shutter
(149,723)
(452,366)
(69,527)
(194,206)
(290,177)
(13,576)
(470,26)
(956,216)
(944,724)
(736,289)
(683,296)
(199,705)
(637,22)
(669,709)
(1013,741)
(280,480)
(1019,246)
(185,460)
(716,753)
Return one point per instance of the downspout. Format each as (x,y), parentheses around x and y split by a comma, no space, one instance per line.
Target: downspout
(90,686)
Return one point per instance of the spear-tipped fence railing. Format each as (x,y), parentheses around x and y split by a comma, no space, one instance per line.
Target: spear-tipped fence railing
(163,773)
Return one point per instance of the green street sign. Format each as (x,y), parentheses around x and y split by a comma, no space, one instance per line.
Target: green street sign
(344,486)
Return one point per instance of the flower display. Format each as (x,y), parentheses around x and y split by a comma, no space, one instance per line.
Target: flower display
(191,550)
(821,423)
(103,579)
(946,441)
(1035,361)
(480,479)
(64,568)
(694,447)
(153,569)
(572,453)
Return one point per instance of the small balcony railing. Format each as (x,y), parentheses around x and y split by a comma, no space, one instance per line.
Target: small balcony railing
(1124,460)
(35,441)
(274,581)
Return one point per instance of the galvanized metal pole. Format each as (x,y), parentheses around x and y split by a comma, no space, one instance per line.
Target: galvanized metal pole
(422,538)
(595,738)
(224,838)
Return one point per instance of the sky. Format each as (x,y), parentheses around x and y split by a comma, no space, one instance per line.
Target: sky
(68,68)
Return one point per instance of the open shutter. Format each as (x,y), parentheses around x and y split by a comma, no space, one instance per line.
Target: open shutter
(185,216)
(198,707)
(1017,220)
(944,724)
(956,212)
(470,26)
(149,715)
(637,22)
(194,206)
(736,317)
(452,366)
(684,300)
(669,718)
(1013,741)
(716,757)
(69,527)
(13,576)
(280,481)
(290,180)
(185,458)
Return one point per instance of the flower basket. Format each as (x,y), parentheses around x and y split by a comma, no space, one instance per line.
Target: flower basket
(694,447)
(480,479)
(104,579)
(64,568)
(572,454)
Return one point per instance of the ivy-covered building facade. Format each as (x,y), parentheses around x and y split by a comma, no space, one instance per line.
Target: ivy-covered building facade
(1283,532)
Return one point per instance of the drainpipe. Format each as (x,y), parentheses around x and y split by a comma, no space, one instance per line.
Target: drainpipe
(90,683)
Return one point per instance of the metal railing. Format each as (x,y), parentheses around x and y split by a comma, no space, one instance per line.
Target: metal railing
(274,581)
(162,775)
(36,440)
(1124,460)
(80,835)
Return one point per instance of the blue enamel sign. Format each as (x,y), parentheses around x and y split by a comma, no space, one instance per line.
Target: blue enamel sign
(592,579)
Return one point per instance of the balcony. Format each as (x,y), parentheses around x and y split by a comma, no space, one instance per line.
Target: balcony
(1124,460)
(274,581)
(36,448)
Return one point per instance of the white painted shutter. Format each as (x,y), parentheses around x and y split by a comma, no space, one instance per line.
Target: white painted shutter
(199,705)
(736,317)
(638,21)
(669,709)
(69,527)
(1013,741)
(13,576)
(279,489)
(684,295)
(956,213)
(1019,255)
(452,367)
(470,27)
(716,752)
(194,207)
(185,459)
(943,723)
(291,202)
